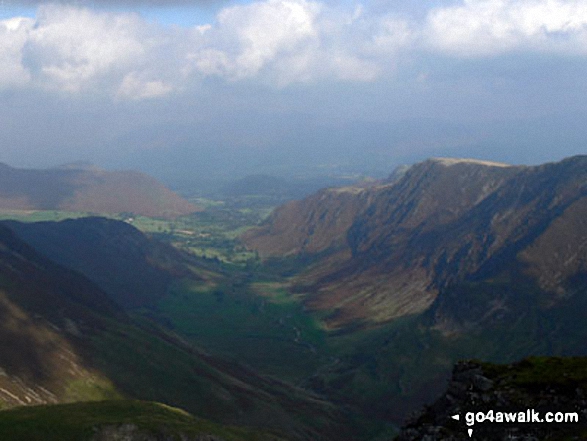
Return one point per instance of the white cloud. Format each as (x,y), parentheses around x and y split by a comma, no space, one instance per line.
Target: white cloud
(71,48)
(135,87)
(13,36)
(248,38)
(278,42)
(287,41)
(487,27)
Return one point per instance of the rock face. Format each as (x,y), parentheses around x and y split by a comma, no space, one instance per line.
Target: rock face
(387,251)
(89,189)
(538,384)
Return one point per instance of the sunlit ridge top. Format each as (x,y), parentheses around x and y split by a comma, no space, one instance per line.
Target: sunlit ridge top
(452,161)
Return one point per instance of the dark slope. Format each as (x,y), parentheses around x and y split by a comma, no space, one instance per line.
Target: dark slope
(64,340)
(129,266)
(88,189)
(46,310)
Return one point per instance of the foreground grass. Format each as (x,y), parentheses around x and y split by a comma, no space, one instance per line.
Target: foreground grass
(82,421)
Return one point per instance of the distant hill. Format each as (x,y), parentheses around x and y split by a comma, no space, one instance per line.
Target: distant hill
(277,190)
(62,339)
(82,187)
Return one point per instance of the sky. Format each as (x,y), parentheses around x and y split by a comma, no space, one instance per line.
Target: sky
(184,89)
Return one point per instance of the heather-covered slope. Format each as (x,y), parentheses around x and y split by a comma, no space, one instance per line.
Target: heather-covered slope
(445,221)
(88,189)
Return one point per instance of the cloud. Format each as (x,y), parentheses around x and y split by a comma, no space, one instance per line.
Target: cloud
(135,87)
(249,37)
(489,27)
(13,35)
(286,41)
(71,48)
(76,49)
(79,50)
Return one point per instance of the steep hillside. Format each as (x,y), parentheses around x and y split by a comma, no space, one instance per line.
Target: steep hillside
(45,310)
(63,339)
(445,221)
(88,189)
(133,269)
(455,259)
(313,225)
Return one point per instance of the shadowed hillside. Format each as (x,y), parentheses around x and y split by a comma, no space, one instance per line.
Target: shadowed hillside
(63,340)
(133,269)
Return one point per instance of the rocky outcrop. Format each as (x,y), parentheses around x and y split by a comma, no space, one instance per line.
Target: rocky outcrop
(537,384)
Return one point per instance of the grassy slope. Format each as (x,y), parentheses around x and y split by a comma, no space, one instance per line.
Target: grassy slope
(269,331)
(388,370)
(148,363)
(81,421)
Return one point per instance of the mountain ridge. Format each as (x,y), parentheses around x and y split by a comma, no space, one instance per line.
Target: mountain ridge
(438,224)
(132,268)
